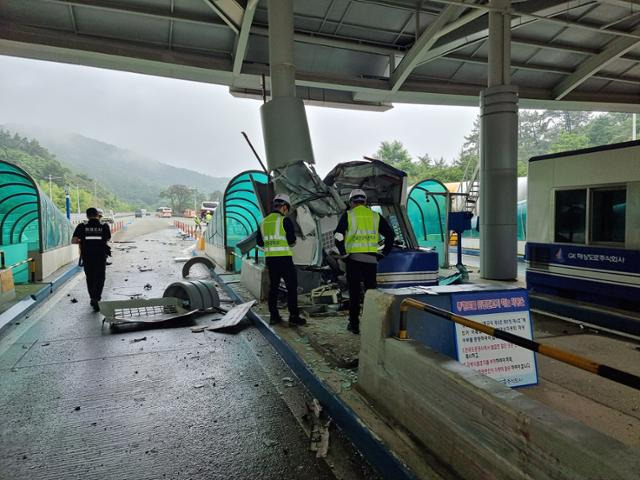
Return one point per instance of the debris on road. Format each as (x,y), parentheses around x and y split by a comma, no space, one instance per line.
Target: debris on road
(200,385)
(233,317)
(74,300)
(76,409)
(288,382)
(145,269)
(141,310)
(148,286)
(320,429)
(45,344)
(136,340)
(198,329)
(180,259)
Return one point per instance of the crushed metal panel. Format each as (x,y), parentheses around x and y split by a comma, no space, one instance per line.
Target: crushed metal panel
(152,310)
(233,316)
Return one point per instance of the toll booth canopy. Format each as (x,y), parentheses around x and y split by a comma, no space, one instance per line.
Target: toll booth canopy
(29,221)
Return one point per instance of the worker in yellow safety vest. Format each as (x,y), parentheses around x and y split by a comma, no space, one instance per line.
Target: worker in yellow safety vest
(276,236)
(357,237)
(198,223)
(208,218)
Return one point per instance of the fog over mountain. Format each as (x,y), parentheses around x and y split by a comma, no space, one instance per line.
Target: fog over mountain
(133,177)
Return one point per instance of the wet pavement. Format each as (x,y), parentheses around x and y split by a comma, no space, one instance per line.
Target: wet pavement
(80,400)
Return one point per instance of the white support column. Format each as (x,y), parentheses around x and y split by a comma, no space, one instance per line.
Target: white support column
(284,121)
(499,155)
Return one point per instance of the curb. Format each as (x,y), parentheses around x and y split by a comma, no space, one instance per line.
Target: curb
(369,445)
(27,304)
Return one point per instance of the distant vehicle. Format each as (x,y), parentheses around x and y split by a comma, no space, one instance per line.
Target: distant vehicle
(108,216)
(189,213)
(164,212)
(208,207)
(138,214)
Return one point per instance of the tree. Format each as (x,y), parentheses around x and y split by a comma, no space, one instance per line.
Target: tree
(569,141)
(396,155)
(215,196)
(180,197)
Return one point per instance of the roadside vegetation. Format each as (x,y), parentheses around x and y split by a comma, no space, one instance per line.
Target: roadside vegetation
(540,132)
(38,162)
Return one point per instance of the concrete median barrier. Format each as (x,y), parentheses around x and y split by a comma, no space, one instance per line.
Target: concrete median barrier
(475,425)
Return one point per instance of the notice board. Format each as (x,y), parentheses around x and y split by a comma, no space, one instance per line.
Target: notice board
(506,310)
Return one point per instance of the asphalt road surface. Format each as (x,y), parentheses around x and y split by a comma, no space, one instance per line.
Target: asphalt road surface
(82,401)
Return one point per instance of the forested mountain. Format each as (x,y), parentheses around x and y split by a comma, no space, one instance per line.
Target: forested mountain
(540,132)
(144,179)
(38,162)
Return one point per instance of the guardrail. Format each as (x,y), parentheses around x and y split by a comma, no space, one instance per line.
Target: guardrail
(619,376)
(30,261)
(117,226)
(187,229)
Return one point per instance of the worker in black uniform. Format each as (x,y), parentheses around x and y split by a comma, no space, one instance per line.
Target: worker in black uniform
(357,236)
(276,236)
(92,238)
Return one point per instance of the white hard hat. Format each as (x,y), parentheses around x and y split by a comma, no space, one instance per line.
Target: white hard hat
(282,198)
(356,192)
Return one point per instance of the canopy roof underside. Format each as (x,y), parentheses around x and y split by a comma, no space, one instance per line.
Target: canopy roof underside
(352,53)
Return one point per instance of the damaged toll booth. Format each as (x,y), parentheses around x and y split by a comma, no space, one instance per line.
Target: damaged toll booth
(238,216)
(315,215)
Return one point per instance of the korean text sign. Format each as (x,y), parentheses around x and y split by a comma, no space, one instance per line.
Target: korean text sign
(506,310)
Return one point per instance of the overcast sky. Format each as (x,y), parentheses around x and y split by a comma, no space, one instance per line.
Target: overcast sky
(197,126)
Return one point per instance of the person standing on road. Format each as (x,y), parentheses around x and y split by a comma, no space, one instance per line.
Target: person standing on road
(357,236)
(276,236)
(198,224)
(92,238)
(208,218)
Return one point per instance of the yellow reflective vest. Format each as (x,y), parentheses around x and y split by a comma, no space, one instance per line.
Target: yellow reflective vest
(362,230)
(274,236)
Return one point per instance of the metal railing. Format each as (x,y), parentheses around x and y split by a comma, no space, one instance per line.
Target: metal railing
(619,376)
(30,261)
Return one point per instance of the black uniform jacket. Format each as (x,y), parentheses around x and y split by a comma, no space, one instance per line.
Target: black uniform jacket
(93,236)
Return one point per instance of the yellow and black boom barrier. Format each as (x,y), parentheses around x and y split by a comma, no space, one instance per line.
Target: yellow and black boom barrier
(619,376)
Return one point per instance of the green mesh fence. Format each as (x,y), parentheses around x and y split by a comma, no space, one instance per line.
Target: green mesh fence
(239,213)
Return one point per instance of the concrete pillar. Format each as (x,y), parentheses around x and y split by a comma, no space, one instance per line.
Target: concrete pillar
(499,155)
(284,122)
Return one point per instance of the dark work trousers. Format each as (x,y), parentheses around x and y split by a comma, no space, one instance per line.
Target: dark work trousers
(359,273)
(282,267)
(95,272)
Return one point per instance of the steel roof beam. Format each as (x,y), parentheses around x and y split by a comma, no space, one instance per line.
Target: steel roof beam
(243,36)
(147,11)
(565,47)
(541,68)
(335,42)
(229,11)
(301,36)
(621,3)
(478,30)
(614,49)
(339,23)
(440,26)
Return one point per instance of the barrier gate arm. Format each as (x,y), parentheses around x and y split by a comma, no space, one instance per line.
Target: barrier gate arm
(611,373)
